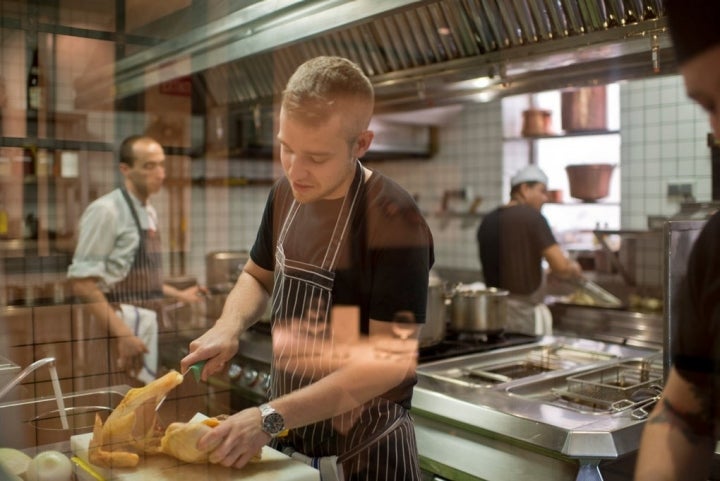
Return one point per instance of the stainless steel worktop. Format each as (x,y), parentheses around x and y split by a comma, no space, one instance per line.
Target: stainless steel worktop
(521,418)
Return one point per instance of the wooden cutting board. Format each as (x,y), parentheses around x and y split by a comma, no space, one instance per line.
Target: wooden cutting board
(274,466)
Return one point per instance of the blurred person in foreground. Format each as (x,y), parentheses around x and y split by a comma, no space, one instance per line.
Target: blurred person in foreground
(680,434)
(344,255)
(512,242)
(117,265)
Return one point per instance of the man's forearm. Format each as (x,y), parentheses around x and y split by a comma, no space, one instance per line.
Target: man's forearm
(678,439)
(99,306)
(245,303)
(668,452)
(347,388)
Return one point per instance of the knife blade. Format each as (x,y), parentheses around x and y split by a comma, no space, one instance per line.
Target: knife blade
(196,370)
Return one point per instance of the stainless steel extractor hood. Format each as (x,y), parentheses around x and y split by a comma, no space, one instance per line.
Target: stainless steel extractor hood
(418,54)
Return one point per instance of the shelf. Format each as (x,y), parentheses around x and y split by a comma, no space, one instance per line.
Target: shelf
(231,182)
(56,144)
(584,204)
(629,232)
(584,133)
(34,180)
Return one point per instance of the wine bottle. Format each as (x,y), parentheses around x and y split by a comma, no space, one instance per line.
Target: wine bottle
(34,88)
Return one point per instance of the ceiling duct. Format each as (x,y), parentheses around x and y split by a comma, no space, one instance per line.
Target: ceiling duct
(418,54)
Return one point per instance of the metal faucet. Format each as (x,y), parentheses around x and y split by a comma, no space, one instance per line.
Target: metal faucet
(25,373)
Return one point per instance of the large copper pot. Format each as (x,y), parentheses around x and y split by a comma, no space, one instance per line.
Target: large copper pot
(589,182)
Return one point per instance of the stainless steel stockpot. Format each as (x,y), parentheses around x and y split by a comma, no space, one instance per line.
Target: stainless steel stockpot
(434,329)
(481,311)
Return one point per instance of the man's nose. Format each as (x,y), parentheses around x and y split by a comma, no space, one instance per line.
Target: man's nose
(294,168)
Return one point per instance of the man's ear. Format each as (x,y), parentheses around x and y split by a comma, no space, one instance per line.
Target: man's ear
(363,143)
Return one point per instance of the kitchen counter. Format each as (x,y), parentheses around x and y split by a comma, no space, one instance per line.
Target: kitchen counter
(510,428)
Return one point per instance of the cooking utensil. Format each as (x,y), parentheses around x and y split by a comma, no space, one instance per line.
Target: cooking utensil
(600,295)
(584,109)
(196,371)
(480,311)
(536,122)
(589,182)
(433,331)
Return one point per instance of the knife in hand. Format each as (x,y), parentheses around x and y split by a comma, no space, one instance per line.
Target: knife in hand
(196,370)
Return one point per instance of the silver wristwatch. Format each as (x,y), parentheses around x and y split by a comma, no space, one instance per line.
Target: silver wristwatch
(272,421)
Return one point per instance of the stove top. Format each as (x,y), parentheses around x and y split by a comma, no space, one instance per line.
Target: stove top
(458,344)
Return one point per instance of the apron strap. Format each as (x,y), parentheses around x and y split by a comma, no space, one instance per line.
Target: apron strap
(133,211)
(342,223)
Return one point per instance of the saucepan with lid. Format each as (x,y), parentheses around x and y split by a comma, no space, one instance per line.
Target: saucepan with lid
(478,309)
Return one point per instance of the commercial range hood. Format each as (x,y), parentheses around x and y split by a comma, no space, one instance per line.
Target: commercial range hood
(418,54)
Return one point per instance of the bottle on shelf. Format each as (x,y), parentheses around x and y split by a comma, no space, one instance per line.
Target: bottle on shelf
(28,161)
(34,85)
(3,222)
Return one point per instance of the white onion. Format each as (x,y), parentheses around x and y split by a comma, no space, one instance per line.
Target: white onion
(50,466)
(14,461)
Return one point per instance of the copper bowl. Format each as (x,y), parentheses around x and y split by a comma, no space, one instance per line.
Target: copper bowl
(589,182)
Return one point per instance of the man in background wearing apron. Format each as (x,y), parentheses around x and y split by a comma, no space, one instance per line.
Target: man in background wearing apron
(512,241)
(345,254)
(116,267)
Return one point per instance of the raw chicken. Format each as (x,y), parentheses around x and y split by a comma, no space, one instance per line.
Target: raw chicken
(133,427)
(180,441)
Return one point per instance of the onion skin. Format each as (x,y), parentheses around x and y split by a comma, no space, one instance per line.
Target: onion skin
(50,466)
(14,461)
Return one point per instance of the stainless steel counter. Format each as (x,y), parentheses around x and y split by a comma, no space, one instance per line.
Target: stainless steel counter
(514,431)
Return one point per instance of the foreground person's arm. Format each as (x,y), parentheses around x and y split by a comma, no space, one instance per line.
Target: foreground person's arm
(678,440)
(245,304)
(355,381)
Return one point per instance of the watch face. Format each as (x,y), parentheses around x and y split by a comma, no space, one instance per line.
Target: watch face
(273,423)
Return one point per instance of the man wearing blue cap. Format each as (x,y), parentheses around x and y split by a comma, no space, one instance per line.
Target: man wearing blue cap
(680,434)
(513,240)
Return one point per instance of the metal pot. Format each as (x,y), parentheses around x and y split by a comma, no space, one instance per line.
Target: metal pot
(480,311)
(589,182)
(536,122)
(584,109)
(433,331)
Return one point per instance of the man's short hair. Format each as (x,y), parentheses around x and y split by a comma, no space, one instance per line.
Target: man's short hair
(126,154)
(325,85)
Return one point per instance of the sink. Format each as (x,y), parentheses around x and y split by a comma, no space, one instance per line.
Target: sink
(34,422)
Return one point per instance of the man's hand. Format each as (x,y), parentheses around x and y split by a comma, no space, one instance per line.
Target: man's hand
(238,439)
(190,295)
(218,345)
(131,350)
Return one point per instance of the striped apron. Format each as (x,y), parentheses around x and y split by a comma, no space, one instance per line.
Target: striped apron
(139,295)
(375,441)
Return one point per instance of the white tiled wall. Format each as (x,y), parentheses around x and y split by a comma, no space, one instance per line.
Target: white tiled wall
(663,140)
(470,158)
